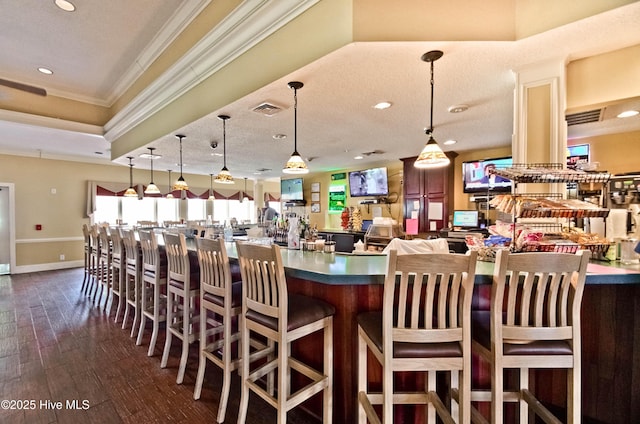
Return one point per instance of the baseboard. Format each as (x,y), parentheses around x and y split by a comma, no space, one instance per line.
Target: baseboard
(24,269)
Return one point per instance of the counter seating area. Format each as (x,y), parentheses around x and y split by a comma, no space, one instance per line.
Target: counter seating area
(353,285)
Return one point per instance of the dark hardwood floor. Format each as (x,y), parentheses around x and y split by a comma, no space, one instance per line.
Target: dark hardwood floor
(60,350)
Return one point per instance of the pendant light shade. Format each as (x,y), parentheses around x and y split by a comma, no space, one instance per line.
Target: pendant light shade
(432,155)
(152,188)
(211,195)
(180,184)
(295,164)
(131,192)
(170,194)
(224,176)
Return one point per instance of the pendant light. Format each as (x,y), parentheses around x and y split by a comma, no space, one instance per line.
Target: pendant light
(431,156)
(224,176)
(211,195)
(170,194)
(244,197)
(151,188)
(180,184)
(295,164)
(131,192)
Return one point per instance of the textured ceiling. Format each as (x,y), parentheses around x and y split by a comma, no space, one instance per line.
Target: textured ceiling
(95,49)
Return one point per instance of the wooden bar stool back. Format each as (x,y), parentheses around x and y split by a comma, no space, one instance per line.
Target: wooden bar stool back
(132,279)
(183,288)
(269,311)
(88,264)
(153,299)
(534,322)
(95,256)
(117,271)
(220,306)
(424,326)
(104,263)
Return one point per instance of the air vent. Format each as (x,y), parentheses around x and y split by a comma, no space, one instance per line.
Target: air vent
(267,109)
(374,152)
(583,117)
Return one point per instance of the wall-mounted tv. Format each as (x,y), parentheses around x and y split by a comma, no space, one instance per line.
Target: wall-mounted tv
(476,178)
(291,189)
(577,154)
(368,182)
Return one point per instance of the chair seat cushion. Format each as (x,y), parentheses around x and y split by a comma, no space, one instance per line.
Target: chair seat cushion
(371,323)
(194,282)
(481,332)
(236,296)
(302,310)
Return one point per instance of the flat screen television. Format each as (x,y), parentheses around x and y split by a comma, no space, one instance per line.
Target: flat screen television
(465,219)
(577,154)
(368,182)
(291,189)
(476,179)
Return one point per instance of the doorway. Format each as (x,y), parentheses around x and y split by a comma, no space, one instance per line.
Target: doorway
(7,228)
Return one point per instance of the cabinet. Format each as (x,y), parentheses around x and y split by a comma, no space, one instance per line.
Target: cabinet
(428,190)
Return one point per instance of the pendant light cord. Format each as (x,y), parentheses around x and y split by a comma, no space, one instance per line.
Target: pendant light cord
(224,141)
(295,120)
(181,154)
(430,129)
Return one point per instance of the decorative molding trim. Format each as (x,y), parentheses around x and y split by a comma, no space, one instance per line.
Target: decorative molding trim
(23,269)
(53,123)
(49,240)
(187,12)
(251,22)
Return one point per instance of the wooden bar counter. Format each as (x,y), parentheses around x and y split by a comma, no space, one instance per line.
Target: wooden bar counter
(610,330)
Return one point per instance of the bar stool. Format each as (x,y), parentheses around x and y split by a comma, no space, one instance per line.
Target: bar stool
(104,264)
(94,258)
(153,299)
(220,305)
(270,312)
(534,322)
(183,287)
(424,326)
(132,279)
(88,265)
(117,270)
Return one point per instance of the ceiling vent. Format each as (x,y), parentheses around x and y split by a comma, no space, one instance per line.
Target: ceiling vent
(584,117)
(267,109)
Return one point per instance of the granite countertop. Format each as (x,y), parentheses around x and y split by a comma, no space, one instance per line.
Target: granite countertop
(340,269)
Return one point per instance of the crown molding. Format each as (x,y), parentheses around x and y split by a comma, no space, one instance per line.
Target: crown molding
(251,22)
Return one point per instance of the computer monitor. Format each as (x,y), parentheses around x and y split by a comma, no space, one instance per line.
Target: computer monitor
(465,219)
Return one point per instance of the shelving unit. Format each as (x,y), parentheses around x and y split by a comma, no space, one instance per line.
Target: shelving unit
(550,205)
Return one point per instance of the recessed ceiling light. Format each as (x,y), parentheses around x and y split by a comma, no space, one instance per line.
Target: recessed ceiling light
(279,136)
(450,142)
(382,105)
(358,157)
(65,5)
(458,108)
(45,71)
(150,156)
(216,154)
(628,113)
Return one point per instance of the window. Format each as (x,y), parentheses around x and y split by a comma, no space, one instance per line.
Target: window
(106,209)
(134,210)
(130,210)
(168,210)
(196,209)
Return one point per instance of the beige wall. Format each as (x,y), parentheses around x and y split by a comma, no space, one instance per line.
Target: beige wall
(61,214)
(325,220)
